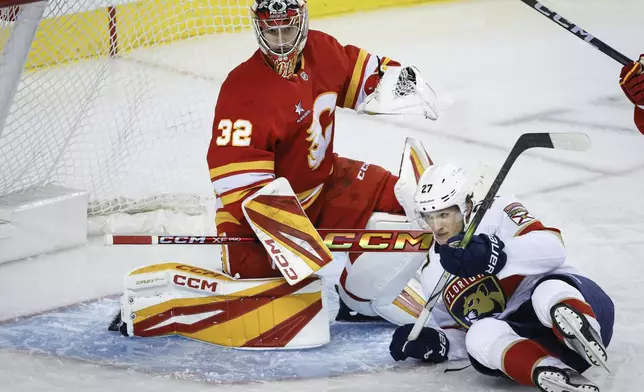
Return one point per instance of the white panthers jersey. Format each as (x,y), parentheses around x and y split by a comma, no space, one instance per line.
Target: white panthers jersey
(533,251)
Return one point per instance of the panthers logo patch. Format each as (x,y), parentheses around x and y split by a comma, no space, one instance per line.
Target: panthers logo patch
(471,299)
(518,213)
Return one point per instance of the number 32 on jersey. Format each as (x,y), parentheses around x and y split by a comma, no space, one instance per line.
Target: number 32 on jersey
(238,132)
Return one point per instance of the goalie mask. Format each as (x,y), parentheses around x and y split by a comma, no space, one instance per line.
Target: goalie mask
(281,28)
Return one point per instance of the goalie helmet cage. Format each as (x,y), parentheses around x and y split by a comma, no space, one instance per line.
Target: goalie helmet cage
(114,97)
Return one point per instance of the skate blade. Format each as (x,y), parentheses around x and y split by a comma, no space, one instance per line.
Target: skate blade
(569,322)
(552,382)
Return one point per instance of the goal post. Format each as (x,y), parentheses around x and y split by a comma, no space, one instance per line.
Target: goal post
(15,50)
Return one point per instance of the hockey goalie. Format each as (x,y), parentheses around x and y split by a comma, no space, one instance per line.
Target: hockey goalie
(273,169)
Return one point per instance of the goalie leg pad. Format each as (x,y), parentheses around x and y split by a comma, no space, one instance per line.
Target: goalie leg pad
(179,299)
(406,307)
(370,283)
(415,160)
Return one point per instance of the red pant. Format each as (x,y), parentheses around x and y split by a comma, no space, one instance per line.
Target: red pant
(351,194)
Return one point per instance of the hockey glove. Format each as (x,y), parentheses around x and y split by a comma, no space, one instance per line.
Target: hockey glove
(431,346)
(632,81)
(483,255)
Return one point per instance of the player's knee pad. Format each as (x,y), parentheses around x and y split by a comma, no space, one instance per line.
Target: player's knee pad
(487,339)
(380,278)
(174,298)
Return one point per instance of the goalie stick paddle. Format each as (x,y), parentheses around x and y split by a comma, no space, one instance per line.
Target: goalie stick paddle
(559,141)
(578,31)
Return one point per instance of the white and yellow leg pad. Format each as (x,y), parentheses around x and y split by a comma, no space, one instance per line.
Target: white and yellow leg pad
(406,307)
(376,283)
(380,283)
(179,299)
(415,160)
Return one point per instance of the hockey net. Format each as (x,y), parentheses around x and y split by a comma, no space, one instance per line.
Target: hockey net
(115,97)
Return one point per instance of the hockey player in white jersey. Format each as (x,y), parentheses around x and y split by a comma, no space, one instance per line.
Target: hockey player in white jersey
(514,306)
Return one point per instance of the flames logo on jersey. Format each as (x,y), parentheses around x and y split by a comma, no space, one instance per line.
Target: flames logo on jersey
(321,135)
(471,299)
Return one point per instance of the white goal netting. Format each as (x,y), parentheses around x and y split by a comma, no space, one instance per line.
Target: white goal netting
(116,98)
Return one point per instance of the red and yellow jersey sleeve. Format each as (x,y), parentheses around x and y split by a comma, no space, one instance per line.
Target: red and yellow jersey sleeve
(639,118)
(360,70)
(364,74)
(240,156)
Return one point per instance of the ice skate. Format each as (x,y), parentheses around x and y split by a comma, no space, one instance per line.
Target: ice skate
(579,335)
(555,379)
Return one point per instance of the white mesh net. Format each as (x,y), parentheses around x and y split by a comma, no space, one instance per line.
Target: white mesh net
(117,98)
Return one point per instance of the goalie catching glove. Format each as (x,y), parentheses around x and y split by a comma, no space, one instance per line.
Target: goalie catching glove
(401,90)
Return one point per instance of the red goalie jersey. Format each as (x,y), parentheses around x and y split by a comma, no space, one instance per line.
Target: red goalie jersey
(267,127)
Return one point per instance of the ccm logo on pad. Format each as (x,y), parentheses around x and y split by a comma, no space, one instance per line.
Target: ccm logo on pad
(194,283)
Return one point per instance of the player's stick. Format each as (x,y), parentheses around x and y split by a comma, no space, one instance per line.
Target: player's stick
(335,240)
(559,141)
(579,32)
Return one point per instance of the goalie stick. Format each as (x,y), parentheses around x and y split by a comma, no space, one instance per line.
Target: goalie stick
(578,31)
(336,240)
(559,141)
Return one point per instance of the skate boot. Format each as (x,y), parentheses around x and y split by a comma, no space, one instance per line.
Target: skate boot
(556,379)
(579,334)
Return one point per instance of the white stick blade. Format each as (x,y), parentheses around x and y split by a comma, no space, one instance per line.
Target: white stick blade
(573,141)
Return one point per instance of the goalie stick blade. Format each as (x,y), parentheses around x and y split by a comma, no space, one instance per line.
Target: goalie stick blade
(570,141)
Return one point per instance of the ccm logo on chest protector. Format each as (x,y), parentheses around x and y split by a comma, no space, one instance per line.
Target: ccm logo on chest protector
(362,172)
(194,283)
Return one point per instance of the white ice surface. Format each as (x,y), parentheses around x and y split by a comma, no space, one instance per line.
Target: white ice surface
(502,70)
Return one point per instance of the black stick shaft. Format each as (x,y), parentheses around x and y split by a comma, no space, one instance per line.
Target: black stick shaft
(578,31)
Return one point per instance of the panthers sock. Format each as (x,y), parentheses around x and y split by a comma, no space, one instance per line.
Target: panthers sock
(520,359)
